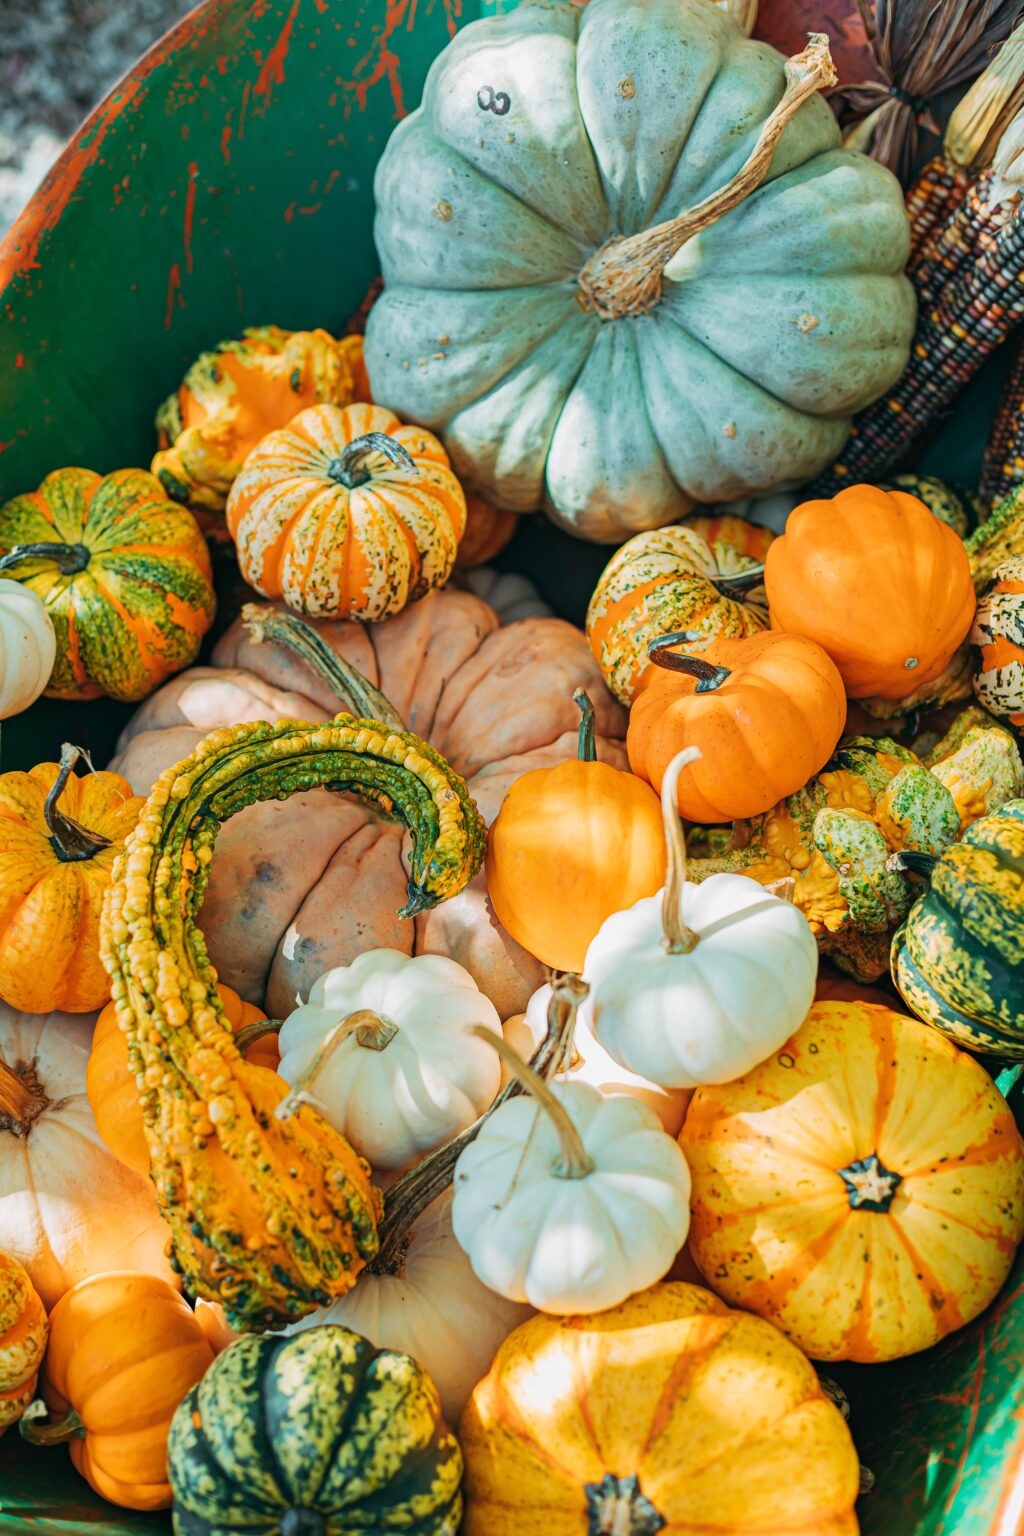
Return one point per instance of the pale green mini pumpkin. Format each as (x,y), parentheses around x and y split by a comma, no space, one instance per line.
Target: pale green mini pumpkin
(560,364)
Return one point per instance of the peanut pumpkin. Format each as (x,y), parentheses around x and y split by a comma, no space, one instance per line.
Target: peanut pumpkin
(500,706)
(124,1350)
(828,1181)
(765,712)
(239,391)
(346,513)
(667,582)
(548,873)
(269,1243)
(123,573)
(879,581)
(669,1411)
(112,1090)
(59,837)
(22,1340)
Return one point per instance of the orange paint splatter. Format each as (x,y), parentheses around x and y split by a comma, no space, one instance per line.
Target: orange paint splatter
(173,290)
(225,141)
(246,88)
(382,61)
(19,361)
(289,213)
(190,208)
(272,72)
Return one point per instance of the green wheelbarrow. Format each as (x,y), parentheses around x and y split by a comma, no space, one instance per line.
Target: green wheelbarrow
(228,181)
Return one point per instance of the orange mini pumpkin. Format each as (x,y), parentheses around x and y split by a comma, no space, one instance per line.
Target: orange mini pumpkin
(879,582)
(124,1350)
(346,513)
(570,846)
(113,1095)
(765,711)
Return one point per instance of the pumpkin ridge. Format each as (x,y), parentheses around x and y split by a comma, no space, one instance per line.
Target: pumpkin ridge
(948,1313)
(681,1371)
(363,1363)
(1000,1240)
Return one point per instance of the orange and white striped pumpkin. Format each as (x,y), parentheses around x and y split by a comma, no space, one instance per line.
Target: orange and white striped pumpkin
(999,632)
(346,514)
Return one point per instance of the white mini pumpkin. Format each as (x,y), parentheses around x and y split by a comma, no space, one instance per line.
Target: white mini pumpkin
(592,1064)
(28,646)
(573,1203)
(68,1208)
(701,982)
(404,1073)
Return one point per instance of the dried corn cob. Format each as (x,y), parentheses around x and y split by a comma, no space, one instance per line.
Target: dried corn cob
(1002,469)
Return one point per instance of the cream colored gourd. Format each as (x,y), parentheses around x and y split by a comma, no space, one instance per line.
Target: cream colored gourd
(591,1063)
(384,1050)
(68,1208)
(571,1203)
(28,647)
(699,984)
(716,350)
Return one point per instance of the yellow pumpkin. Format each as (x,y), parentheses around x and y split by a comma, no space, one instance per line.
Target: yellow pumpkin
(863,1188)
(667,1412)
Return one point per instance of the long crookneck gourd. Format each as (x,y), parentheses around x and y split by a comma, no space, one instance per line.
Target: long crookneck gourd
(270,1216)
(834,837)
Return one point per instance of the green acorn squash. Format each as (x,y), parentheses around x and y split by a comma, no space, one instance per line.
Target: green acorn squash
(587,295)
(958,960)
(316,1435)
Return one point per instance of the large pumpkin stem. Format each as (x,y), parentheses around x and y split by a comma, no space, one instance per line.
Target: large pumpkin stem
(677,939)
(410,1195)
(349,468)
(708,677)
(71,841)
(371,1031)
(346,681)
(70,559)
(22,1100)
(909,862)
(624,277)
(576,1162)
(586,746)
(55,1431)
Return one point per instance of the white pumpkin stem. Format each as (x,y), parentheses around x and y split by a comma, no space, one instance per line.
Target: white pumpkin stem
(370,1030)
(576,1162)
(624,276)
(677,938)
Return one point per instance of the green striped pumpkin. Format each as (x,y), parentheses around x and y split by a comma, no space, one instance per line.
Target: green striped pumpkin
(958,960)
(123,572)
(316,1435)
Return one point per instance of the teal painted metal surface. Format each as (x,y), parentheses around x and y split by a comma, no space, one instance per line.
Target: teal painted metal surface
(228,181)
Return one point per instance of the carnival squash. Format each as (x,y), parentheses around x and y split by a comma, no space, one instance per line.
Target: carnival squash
(124,1350)
(346,513)
(28,647)
(882,584)
(550,876)
(317,1433)
(701,982)
(239,391)
(998,632)
(738,533)
(384,1049)
(863,1188)
(664,583)
(112,1090)
(766,713)
(271,1215)
(959,958)
(68,1208)
(22,1340)
(323,875)
(580,291)
(669,1412)
(123,573)
(59,837)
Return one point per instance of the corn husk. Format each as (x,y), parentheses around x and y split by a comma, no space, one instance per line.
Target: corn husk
(980,118)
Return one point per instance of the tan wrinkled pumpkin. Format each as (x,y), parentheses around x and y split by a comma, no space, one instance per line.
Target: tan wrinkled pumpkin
(303,885)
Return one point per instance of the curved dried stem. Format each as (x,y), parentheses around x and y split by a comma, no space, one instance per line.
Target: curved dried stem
(677,938)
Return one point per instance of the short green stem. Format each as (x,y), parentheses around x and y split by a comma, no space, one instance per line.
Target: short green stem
(913,863)
(70,559)
(738,582)
(586,746)
(709,677)
(55,1431)
(70,840)
(349,468)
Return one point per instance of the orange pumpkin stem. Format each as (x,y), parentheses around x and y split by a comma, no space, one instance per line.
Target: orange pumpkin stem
(708,677)
(677,939)
(624,276)
(349,468)
(71,841)
(345,681)
(586,746)
(410,1195)
(21,1101)
(55,1431)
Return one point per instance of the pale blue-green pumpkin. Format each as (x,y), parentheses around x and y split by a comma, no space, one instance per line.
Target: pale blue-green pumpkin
(547,132)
